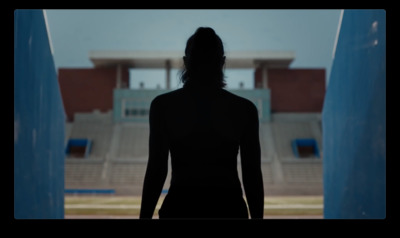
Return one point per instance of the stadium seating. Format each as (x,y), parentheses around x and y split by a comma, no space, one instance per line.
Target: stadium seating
(119,155)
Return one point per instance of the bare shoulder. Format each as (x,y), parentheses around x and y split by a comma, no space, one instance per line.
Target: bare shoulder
(165,98)
(240,103)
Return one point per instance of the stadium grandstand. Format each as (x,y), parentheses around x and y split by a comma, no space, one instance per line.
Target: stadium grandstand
(107,130)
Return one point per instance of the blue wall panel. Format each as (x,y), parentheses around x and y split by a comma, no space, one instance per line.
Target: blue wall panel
(354,120)
(39,122)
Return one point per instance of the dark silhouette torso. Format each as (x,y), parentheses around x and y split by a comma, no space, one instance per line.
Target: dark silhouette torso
(203,130)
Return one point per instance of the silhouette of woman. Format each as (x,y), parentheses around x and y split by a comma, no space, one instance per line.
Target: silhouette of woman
(203,127)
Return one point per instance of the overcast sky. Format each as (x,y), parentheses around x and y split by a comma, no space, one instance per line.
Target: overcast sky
(309,33)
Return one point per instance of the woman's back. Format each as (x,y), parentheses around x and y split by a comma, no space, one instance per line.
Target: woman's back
(204,131)
(203,127)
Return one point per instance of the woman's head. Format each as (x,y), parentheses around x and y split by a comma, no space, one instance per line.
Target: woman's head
(204,60)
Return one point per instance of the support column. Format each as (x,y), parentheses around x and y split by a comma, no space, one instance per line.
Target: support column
(264,76)
(168,74)
(119,76)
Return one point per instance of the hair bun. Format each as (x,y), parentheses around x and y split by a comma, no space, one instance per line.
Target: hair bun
(206,43)
(205,34)
(206,31)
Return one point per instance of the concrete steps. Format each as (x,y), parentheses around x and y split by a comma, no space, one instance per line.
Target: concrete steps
(119,156)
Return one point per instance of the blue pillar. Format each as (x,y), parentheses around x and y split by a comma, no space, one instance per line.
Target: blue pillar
(354,120)
(39,122)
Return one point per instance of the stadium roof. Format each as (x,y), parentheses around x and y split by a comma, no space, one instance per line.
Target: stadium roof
(159,59)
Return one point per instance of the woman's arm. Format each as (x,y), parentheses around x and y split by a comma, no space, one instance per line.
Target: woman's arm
(157,165)
(250,153)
